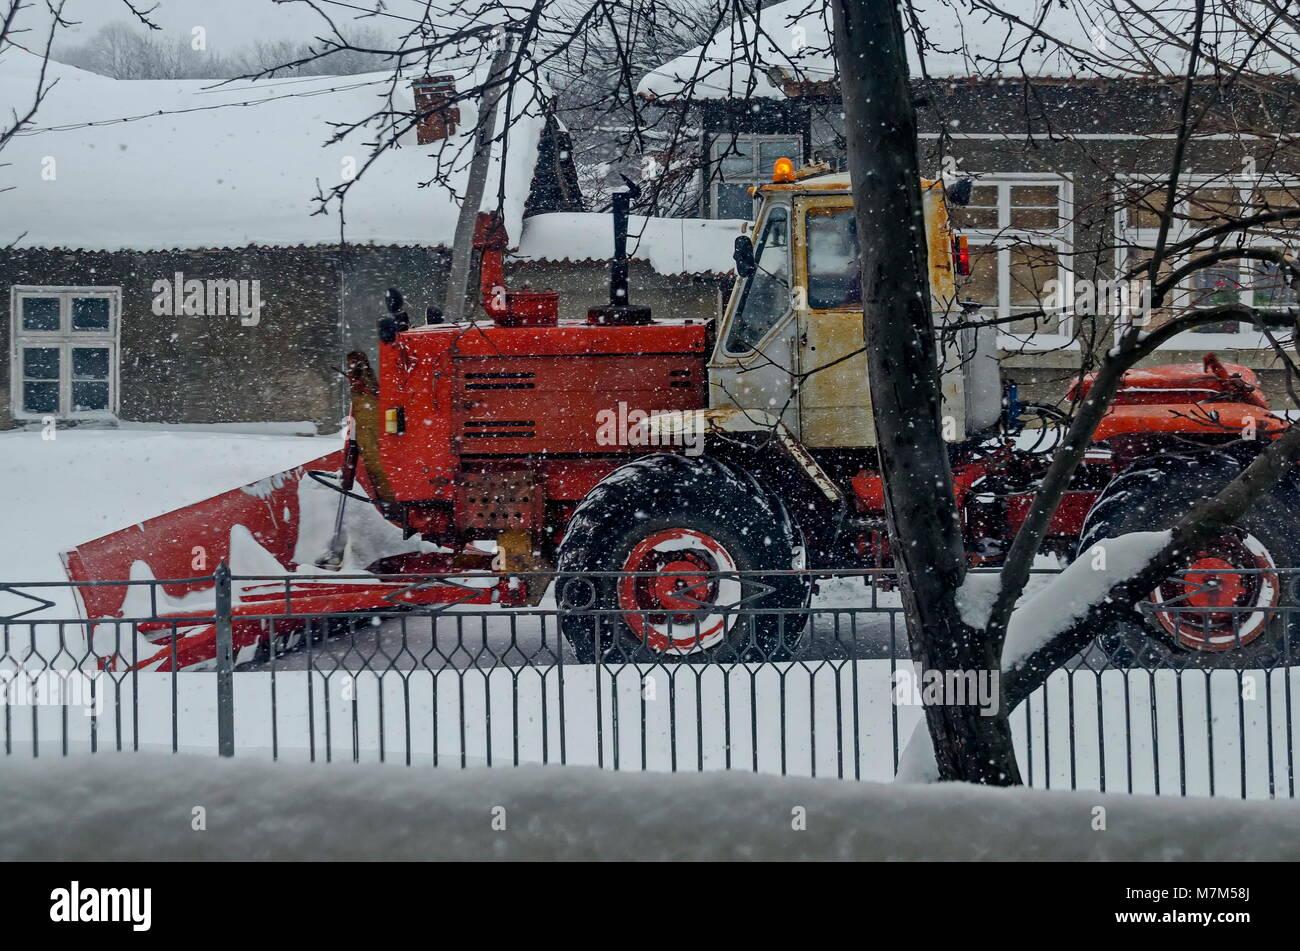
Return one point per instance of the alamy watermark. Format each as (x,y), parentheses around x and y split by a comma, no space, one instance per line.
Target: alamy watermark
(1130,300)
(53,688)
(211,297)
(79,903)
(955,688)
(626,426)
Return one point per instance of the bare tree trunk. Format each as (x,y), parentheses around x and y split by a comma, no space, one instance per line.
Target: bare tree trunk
(880,128)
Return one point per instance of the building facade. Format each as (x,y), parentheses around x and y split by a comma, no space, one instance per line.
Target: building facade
(175,269)
(1063,169)
(248,334)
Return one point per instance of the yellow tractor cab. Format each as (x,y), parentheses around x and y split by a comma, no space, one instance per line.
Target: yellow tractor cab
(790,343)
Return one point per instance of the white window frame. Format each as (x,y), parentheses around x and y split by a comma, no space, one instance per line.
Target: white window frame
(65,338)
(1004,237)
(722,144)
(1127,238)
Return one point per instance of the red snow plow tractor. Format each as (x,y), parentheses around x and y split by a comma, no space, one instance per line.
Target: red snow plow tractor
(660,466)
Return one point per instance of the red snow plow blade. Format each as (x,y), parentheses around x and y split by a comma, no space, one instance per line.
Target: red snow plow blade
(259,531)
(189,542)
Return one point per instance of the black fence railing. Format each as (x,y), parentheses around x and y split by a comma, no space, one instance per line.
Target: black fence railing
(822,689)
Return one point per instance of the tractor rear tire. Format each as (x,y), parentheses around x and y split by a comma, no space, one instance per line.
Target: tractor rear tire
(1150,496)
(673,519)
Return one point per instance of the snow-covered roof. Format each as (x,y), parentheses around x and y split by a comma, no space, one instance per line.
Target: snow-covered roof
(203,165)
(669,245)
(737,62)
(791,42)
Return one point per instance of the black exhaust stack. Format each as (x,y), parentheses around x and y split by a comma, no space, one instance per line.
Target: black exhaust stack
(619,312)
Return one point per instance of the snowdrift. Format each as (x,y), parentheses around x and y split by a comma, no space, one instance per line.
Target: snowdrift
(135,806)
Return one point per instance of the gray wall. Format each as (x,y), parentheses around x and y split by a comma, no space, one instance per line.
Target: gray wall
(206,369)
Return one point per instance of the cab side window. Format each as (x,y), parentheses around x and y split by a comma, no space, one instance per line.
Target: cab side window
(767,295)
(834,271)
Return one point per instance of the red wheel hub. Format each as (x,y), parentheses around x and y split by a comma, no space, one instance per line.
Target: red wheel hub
(1221,602)
(679,585)
(684,581)
(1214,584)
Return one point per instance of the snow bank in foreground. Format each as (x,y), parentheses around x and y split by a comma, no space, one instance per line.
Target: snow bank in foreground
(124,806)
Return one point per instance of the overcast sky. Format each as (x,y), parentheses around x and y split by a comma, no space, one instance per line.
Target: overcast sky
(234,23)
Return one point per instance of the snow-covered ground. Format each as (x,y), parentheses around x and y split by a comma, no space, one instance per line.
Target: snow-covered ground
(84,483)
(486,687)
(123,807)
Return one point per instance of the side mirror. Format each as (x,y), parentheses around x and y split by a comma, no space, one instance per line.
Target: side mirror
(959,192)
(744,256)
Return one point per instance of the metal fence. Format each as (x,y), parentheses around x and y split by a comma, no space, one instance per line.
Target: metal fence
(823,690)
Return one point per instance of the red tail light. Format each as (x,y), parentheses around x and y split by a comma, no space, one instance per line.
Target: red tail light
(961,255)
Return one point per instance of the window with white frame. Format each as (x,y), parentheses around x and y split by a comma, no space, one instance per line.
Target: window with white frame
(1205,202)
(63,360)
(1019,228)
(743,160)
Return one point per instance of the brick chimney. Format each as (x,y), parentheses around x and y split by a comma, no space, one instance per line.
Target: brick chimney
(438,120)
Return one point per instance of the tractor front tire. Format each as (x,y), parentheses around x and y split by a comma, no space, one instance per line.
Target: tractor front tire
(663,561)
(1251,632)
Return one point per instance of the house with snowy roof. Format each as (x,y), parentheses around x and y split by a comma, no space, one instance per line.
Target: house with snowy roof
(1062,140)
(164,256)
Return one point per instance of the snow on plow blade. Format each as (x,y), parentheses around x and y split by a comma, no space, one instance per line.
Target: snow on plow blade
(270,533)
